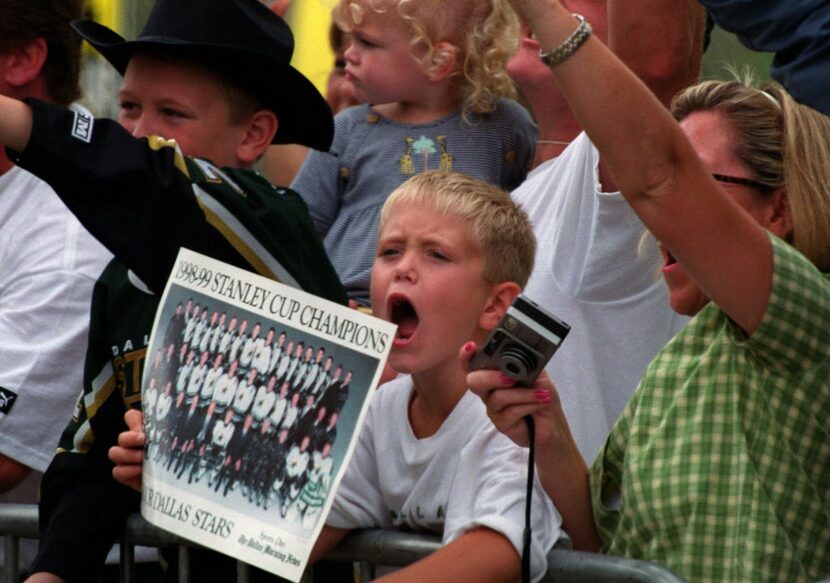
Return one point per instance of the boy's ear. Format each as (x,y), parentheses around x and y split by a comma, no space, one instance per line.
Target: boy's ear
(502,296)
(258,135)
(20,65)
(443,62)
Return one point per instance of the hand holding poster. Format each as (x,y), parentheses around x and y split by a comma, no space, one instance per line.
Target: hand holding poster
(252,398)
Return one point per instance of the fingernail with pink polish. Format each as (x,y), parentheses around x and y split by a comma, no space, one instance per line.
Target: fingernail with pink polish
(506,379)
(542,396)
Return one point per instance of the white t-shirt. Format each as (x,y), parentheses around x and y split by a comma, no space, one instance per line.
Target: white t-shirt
(48,266)
(590,273)
(466,475)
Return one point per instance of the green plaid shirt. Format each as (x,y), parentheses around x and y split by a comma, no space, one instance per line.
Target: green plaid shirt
(720,463)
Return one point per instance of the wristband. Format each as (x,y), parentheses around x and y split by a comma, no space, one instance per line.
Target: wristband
(571,44)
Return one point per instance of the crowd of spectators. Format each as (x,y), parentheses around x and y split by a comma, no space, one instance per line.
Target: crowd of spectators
(685,419)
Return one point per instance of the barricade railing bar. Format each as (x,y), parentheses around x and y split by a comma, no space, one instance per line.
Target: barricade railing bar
(367,548)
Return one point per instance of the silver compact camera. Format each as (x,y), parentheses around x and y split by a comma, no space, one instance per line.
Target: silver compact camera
(522,343)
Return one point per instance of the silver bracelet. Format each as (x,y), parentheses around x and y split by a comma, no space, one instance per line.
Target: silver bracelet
(571,44)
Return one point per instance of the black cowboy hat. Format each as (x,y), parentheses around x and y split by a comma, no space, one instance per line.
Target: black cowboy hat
(241,39)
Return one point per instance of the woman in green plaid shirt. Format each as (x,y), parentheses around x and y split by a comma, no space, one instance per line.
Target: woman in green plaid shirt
(719,467)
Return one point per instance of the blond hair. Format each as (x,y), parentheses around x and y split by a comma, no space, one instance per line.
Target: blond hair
(485,32)
(500,228)
(783,144)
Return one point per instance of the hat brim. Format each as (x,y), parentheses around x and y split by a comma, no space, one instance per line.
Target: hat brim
(304,116)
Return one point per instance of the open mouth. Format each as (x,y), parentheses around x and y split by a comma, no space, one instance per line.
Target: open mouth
(670,264)
(403,314)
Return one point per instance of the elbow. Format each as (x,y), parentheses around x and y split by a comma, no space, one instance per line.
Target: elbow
(648,188)
(657,173)
(11,473)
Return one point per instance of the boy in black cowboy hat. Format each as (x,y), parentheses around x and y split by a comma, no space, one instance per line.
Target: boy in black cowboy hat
(215,77)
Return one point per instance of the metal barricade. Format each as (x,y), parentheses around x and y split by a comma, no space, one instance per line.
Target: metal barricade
(368,548)
(566,566)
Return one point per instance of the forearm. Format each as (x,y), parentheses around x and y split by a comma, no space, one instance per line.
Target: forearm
(81,515)
(15,123)
(564,476)
(12,473)
(41,577)
(329,538)
(478,555)
(561,470)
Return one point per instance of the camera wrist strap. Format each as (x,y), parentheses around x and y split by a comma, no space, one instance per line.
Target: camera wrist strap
(531,466)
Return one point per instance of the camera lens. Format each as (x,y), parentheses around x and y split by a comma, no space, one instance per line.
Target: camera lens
(516,362)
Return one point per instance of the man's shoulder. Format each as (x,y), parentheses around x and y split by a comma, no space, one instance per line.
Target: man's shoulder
(560,174)
(239,182)
(17,183)
(244,192)
(31,211)
(117,279)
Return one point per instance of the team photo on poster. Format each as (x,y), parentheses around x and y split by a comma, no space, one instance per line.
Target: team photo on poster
(249,410)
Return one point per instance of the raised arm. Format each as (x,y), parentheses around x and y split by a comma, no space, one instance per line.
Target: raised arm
(144,200)
(720,246)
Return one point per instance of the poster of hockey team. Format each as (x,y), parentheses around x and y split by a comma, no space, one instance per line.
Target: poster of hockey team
(253,394)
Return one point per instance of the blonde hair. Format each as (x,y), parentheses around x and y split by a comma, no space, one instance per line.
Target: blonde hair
(500,228)
(485,32)
(783,144)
